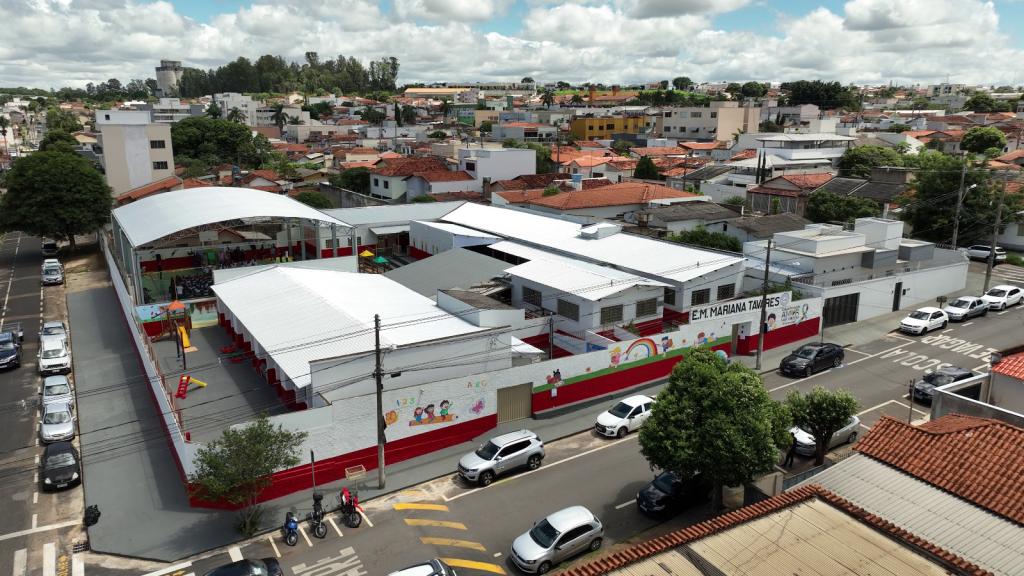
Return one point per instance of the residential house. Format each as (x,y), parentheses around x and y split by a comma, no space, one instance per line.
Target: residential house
(788,115)
(721,121)
(606,201)
(524,132)
(528,182)
(492,164)
(701,149)
(133,150)
(226,101)
(752,228)
(714,181)
(790,190)
(440,182)
(588,166)
(683,216)
(388,180)
(619,168)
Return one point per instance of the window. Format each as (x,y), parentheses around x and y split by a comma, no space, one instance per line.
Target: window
(670,296)
(471,166)
(668,128)
(1020,229)
(611,314)
(160,165)
(387,184)
(157,144)
(531,296)
(376,182)
(726,291)
(668,114)
(714,114)
(702,296)
(568,310)
(106,116)
(647,308)
(696,114)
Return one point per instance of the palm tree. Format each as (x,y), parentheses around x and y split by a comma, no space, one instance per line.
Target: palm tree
(576,99)
(446,109)
(548,98)
(295,120)
(213,110)
(236,115)
(4,123)
(279,117)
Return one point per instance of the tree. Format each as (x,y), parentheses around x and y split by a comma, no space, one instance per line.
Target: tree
(57,119)
(4,124)
(446,109)
(235,115)
(314,199)
(58,140)
(213,110)
(715,418)
(52,193)
(218,141)
(373,115)
(576,99)
(700,236)
(735,201)
(827,95)
(237,466)
(279,117)
(622,147)
(982,102)
(295,121)
(354,179)
(898,128)
(858,162)
(663,84)
(821,413)
(409,115)
(681,82)
(318,110)
(527,80)
(733,88)
(423,198)
(438,134)
(486,127)
(823,206)
(775,206)
(646,170)
(548,98)
(981,138)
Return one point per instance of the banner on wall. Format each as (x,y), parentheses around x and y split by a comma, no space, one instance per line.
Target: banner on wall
(739,307)
(418,410)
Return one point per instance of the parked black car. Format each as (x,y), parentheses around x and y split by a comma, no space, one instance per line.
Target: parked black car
(263,567)
(811,358)
(10,350)
(924,389)
(61,466)
(668,494)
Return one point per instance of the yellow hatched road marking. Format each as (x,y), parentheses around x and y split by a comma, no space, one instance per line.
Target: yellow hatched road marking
(485,566)
(435,523)
(420,506)
(453,542)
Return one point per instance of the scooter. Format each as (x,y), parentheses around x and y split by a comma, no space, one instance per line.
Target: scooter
(290,530)
(350,509)
(316,519)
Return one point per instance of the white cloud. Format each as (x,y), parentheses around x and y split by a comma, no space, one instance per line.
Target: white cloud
(71,42)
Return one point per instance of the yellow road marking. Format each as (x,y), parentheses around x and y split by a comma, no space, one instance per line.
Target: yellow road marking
(420,506)
(436,523)
(453,542)
(485,566)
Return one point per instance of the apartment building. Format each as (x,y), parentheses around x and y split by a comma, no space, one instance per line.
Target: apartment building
(605,127)
(133,149)
(171,110)
(719,121)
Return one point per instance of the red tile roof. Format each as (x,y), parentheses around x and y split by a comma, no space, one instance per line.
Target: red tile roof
(751,153)
(659,151)
(977,459)
(445,176)
(807,181)
(286,147)
(197,183)
(169,183)
(587,161)
(621,194)
(764,508)
(589,144)
(265,174)
(1012,366)
(467,195)
(701,145)
(1012,156)
(528,181)
(405,167)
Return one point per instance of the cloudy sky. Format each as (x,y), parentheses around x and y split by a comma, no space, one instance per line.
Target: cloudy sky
(53,43)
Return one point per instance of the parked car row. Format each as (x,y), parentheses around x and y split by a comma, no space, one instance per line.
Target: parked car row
(924,320)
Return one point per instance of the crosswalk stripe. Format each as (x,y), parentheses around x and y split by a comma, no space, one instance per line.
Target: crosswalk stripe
(420,506)
(485,566)
(235,553)
(435,523)
(77,566)
(20,562)
(49,559)
(170,569)
(453,542)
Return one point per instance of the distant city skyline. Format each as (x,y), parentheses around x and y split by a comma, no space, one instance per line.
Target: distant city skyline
(73,42)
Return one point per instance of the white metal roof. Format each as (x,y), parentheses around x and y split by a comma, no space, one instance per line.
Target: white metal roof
(393,213)
(458,230)
(655,259)
(385,230)
(160,215)
(800,137)
(301,315)
(587,281)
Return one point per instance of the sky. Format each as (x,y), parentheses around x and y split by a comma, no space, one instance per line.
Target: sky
(54,43)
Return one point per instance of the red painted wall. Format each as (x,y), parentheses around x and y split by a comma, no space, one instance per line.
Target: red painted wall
(779,336)
(418,254)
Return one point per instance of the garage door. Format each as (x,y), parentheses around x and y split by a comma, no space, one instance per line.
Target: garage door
(840,310)
(514,402)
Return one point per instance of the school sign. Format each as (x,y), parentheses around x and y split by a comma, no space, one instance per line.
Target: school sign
(738,307)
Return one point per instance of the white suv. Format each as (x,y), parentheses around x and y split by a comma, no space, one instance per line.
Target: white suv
(54,357)
(502,454)
(625,417)
(982,252)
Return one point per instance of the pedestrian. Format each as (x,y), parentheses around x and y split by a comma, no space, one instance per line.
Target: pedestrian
(791,453)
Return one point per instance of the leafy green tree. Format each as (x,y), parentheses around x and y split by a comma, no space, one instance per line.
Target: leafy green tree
(823,206)
(715,418)
(58,140)
(898,128)
(735,201)
(235,115)
(5,123)
(681,82)
(734,88)
(438,134)
(663,84)
(857,162)
(486,127)
(57,119)
(279,117)
(354,179)
(576,99)
(314,199)
(551,191)
(826,95)
(527,80)
(213,110)
(237,467)
(373,116)
(219,141)
(622,147)
(775,206)
(548,98)
(700,236)
(52,193)
(646,170)
(753,89)
(409,115)
(982,102)
(769,126)
(821,413)
(981,138)
(446,109)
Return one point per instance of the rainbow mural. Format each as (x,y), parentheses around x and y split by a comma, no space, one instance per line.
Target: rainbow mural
(640,349)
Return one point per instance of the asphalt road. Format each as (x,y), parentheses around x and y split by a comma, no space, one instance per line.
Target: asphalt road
(37,537)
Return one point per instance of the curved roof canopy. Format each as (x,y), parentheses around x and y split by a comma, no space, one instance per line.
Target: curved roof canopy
(164,214)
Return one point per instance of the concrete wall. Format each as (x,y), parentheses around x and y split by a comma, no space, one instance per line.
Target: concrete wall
(434,240)
(1012,237)
(1007,393)
(948,401)
(589,311)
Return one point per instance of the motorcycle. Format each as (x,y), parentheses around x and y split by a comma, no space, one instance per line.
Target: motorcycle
(316,519)
(350,509)
(290,530)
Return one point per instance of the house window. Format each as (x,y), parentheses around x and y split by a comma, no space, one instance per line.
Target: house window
(1020,229)
(162,165)
(702,296)
(387,184)
(714,114)
(726,291)
(668,114)
(568,310)
(611,314)
(647,308)
(376,182)
(670,296)
(106,116)
(531,296)
(668,128)
(157,144)
(471,166)
(696,114)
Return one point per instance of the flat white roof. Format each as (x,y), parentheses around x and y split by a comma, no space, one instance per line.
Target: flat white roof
(458,230)
(587,281)
(300,315)
(385,230)
(652,258)
(796,137)
(393,213)
(160,215)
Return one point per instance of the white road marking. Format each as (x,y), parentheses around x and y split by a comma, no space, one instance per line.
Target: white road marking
(497,554)
(49,559)
(857,351)
(37,459)
(170,569)
(235,553)
(20,562)
(946,330)
(77,565)
(305,537)
(966,324)
(35,529)
(875,407)
(366,519)
(35,521)
(35,497)
(1001,313)
(336,529)
(980,368)
(548,467)
(274,545)
(624,504)
(866,357)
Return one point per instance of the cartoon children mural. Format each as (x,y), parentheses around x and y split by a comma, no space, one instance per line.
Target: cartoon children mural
(770,322)
(445,405)
(666,344)
(426,415)
(616,357)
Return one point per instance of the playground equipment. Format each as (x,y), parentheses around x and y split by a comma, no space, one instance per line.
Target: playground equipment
(184,382)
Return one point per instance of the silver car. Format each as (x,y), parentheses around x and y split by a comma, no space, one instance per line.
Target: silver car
(56,390)
(561,535)
(502,454)
(805,444)
(55,328)
(965,308)
(53,275)
(57,423)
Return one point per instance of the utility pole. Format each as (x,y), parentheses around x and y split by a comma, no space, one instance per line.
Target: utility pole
(910,396)
(378,375)
(551,337)
(995,232)
(764,306)
(959,199)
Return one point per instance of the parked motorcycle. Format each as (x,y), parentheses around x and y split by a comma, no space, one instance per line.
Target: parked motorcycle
(350,509)
(316,518)
(290,530)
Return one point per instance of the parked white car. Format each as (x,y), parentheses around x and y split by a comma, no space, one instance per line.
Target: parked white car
(54,357)
(625,417)
(806,445)
(924,320)
(1002,296)
(982,252)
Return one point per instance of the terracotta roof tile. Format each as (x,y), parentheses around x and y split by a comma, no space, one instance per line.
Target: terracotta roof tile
(1012,155)
(467,195)
(528,181)
(621,194)
(977,459)
(402,166)
(169,183)
(1012,366)
(751,153)
(445,176)
(701,145)
(659,151)
(807,181)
